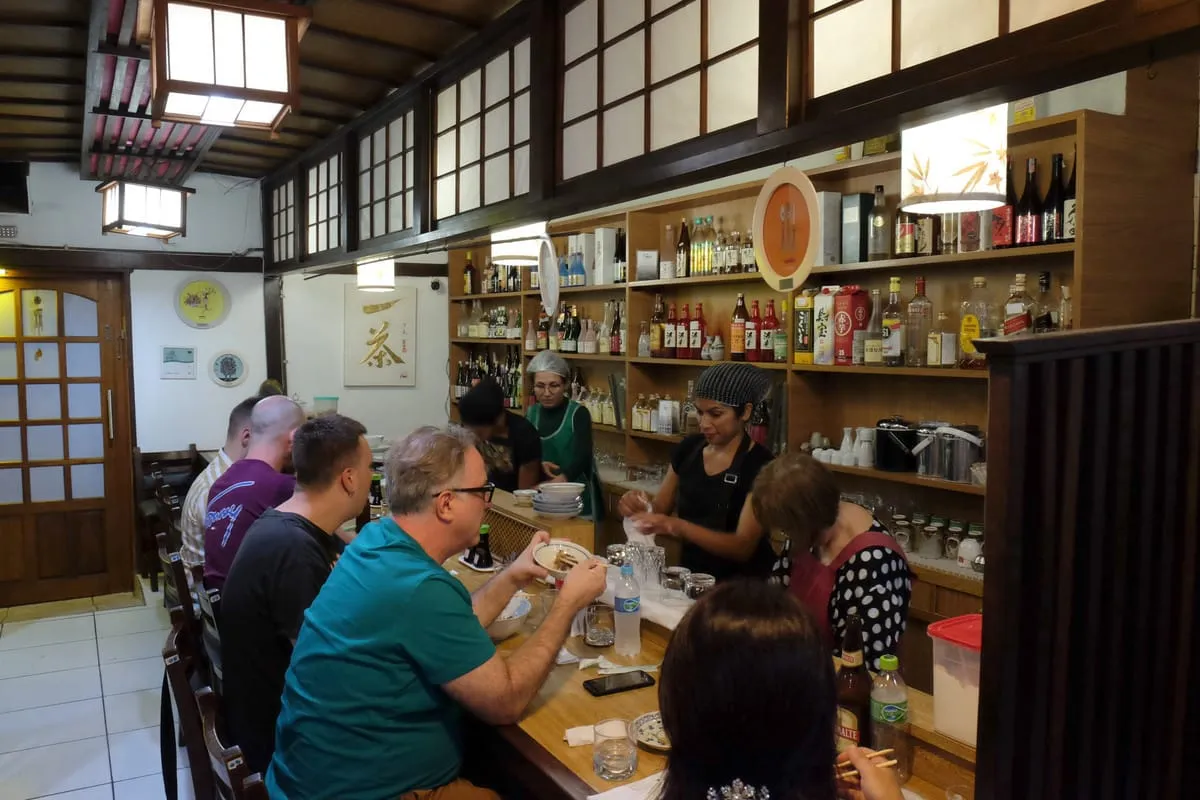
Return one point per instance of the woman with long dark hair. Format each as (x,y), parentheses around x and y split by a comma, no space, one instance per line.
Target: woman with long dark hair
(747,695)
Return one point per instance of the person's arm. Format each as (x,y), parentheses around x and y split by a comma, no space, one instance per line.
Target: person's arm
(499,690)
(490,599)
(530,475)
(581,447)
(527,453)
(738,546)
(191,525)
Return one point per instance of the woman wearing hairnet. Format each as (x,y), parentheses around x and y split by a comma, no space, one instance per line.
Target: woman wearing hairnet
(709,480)
(565,427)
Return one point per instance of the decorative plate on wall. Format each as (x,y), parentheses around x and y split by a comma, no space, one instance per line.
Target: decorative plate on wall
(227,369)
(202,302)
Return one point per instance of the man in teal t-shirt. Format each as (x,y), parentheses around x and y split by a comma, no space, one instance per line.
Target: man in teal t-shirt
(394,644)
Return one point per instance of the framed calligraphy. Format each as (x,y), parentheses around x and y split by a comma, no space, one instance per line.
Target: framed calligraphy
(380,338)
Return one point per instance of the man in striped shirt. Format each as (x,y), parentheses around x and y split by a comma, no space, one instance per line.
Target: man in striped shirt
(191,523)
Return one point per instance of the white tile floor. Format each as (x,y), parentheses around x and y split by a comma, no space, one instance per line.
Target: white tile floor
(79,706)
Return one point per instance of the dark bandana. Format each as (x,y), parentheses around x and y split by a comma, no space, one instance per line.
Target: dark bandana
(733,384)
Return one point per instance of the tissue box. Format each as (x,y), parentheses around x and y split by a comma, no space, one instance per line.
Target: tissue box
(647,265)
(829,229)
(856,227)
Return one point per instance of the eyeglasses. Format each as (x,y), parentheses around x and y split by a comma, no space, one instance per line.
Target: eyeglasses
(486,491)
(549,387)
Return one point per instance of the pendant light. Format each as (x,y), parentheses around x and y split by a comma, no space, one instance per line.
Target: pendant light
(955,165)
(139,209)
(518,246)
(376,275)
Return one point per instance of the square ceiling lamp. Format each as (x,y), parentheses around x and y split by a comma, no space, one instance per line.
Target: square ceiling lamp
(519,246)
(376,275)
(226,62)
(957,164)
(137,209)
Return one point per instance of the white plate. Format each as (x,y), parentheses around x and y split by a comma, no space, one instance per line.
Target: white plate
(557,515)
(547,553)
(648,731)
(561,488)
(576,506)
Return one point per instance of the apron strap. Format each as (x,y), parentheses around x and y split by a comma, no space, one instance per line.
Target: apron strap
(732,477)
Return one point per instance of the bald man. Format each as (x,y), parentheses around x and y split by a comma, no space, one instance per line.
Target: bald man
(251,486)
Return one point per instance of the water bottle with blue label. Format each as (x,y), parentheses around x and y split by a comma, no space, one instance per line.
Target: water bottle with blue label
(627,603)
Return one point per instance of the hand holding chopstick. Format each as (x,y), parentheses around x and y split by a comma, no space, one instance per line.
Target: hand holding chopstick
(869,778)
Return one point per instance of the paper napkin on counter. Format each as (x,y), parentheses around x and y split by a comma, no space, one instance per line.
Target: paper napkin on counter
(577,737)
(645,789)
(565,656)
(606,667)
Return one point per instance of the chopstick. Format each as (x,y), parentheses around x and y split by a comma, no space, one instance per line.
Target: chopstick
(869,754)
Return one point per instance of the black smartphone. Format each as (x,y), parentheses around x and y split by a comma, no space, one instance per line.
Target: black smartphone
(611,684)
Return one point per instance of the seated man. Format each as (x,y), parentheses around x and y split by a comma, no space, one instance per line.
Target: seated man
(281,565)
(393,644)
(251,486)
(511,447)
(191,521)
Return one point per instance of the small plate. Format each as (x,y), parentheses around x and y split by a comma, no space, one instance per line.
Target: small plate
(558,515)
(546,555)
(648,731)
(576,506)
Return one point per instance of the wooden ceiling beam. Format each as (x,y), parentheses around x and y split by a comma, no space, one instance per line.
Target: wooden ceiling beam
(97,25)
(347,72)
(41,21)
(45,80)
(37,101)
(357,39)
(16,51)
(36,118)
(417,10)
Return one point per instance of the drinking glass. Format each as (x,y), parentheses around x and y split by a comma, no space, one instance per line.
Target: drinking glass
(600,629)
(697,584)
(635,554)
(614,752)
(616,554)
(673,582)
(654,558)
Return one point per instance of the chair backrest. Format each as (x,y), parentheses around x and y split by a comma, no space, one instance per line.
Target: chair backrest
(209,601)
(177,468)
(230,773)
(179,661)
(175,585)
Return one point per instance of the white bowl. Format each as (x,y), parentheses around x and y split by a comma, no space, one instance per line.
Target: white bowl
(524,497)
(557,489)
(510,619)
(556,502)
(546,554)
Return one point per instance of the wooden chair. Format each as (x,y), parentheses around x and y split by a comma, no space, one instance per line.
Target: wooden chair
(175,586)
(209,602)
(230,774)
(177,468)
(181,663)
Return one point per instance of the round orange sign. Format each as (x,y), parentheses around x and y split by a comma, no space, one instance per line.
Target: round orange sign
(785,232)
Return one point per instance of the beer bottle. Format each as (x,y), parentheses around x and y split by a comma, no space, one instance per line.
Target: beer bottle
(853,691)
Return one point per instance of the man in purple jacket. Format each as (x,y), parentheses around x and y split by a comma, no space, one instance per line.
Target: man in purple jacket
(251,486)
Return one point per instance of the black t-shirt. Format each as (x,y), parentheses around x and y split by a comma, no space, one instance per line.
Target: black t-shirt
(712,502)
(505,455)
(277,573)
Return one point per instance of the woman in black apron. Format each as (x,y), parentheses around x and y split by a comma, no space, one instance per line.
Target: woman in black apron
(708,483)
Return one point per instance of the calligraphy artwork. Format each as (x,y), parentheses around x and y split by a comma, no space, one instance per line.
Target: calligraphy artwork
(380,337)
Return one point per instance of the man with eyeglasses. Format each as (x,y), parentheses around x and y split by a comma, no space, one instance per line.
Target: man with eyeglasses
(394,645)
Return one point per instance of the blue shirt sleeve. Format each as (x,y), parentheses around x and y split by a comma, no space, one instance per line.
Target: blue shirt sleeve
(445,638)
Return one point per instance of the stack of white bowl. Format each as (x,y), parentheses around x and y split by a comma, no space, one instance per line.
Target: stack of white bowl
(559,500)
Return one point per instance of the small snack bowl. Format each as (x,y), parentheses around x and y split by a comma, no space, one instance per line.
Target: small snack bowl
(524,497)
(510,619)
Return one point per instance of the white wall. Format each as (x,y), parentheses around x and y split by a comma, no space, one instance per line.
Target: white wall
(172,414)
(224,215)
(313,313)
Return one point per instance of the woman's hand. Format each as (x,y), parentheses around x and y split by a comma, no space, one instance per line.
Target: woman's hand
(553,472)
(634,502)
(656,524)
(872,783)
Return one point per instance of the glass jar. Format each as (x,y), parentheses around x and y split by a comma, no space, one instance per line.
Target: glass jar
(902,532)
(697,584)
(615,554)
(674,582)
(954,536)
(930,545)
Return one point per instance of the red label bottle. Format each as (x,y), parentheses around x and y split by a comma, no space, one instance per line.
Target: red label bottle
(669,332)
(697,330)
(767,333)
(683,347)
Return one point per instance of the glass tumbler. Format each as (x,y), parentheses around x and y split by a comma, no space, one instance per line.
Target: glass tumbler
(616,554)
(614,752)
(697,584)
(654,558)
(600,626)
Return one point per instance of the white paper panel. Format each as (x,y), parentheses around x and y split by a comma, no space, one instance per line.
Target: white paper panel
(408,129)
(579,89)
(675,112)
(732,97)
(446,196)
(380,179)
(408,209)
(41,360)
(395,183)
(852,45)
(379,147)
(625,131)
(730,23)
(11,490)
(495,129)
(10,445)
(933,28)
(495,179)
(496,83)
(364,152)
(1023,13)
(820,5)
(621,15)
(409,176)
(579,148)
(43,401)
(468,188)
(447,108)
(521,118)
(395,215)
(10,409)
(675,42)
(446,155)
(579,31)
(625,67)
(379,217)
(520,170)
(521,66)
(660,5)
(46,485)
(468,142)
(396,136)
(8,360)
(79,316)
(470,89)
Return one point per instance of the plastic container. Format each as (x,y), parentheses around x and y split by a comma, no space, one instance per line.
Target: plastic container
(325,405)
(957,643)
(627,606)
(889,715)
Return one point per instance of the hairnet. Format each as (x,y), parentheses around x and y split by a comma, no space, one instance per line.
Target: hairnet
(547,361)
(733,384)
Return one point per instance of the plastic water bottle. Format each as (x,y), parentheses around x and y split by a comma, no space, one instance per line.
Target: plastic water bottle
(627,605)
(889,714)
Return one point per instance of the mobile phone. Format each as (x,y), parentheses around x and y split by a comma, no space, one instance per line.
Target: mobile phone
(611,684)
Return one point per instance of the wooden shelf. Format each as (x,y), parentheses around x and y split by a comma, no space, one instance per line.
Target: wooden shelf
(674,438)
(463,298)
(916,372)
(578,356)
(701,280)
(608,287)
(983,256)
(867,165)
(469,340)
(696,362)
(520,412)
(910,478)
(596,426)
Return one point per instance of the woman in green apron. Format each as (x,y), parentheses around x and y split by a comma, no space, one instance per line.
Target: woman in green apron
(566,429)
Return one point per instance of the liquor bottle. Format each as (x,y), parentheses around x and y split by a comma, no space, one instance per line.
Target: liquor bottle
(1003,218)
(644,350)
(768,330)
(624,326)
(706,350)
(697,332)
(669,333)
(893,327)
(1066,311)
(1018,310)
(878,248)
(683,348)
(658,321)
(683,251)
(695,264)
(569,342)
(543,332)
(578,272)
(733,255)
(720,246)
(941,348)
(1052,208)
(614,336)
(753,353)
(749,263)
(469,277)
(873,339)
(853,690)
(690,422)
(620,271)
(530,337)
(779,338)
(918,325)
(906,234)
(604,330)
(1029,211)
(564,272)
(1069,203)
(977,321)
(717,351)
(737,330)
(1045,315)
(710,246)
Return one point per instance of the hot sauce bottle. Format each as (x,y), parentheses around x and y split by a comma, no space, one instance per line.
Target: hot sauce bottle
(737,330)
(753,325)
(767,333)
(697,332)
(683,347)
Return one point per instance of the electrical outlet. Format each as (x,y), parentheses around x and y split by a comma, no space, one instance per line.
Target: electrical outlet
(8,231)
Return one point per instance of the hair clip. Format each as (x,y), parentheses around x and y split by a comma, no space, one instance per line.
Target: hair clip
(739,791)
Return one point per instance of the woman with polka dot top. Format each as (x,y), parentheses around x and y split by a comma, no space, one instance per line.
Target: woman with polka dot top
(837,559)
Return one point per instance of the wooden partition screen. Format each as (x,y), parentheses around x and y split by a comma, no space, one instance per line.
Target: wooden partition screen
(1091,608)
